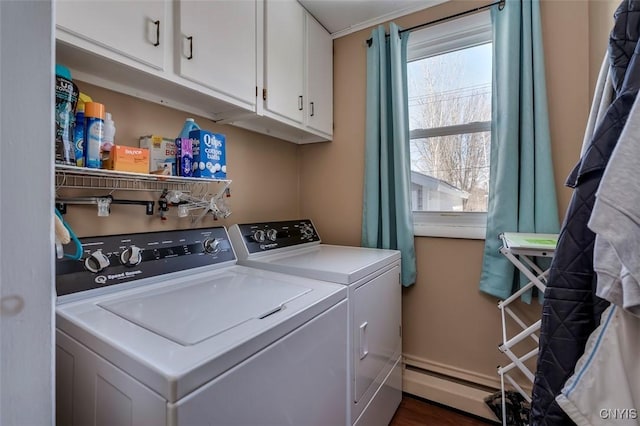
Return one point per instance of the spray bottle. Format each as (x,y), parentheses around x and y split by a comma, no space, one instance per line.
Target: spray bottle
(109,137)
(78,132)
(94,134)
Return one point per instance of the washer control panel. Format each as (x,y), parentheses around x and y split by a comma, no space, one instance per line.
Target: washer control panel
(115,259)
(261,237)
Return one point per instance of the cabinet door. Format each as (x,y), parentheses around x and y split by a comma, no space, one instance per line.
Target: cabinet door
(134,29)
(217,46)
(94,392)
(319,61)
(284,59)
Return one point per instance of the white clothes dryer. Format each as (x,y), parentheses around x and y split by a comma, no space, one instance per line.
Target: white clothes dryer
(165,329)
(372,277)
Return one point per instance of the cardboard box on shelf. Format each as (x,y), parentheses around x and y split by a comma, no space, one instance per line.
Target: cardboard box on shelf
(209,157)
(184,157)
(162,154)
(128,159)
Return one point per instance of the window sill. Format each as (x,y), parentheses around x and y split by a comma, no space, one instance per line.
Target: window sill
(470,226)
(463,232)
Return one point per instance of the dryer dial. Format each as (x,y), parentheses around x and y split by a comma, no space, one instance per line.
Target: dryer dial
(258,236)
(272,234)
(211,245)
(306,230)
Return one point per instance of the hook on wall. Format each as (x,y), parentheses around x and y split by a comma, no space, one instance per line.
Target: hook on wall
(186,203)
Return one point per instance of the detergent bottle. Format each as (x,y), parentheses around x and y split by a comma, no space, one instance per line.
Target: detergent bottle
(66,93)
(184,149)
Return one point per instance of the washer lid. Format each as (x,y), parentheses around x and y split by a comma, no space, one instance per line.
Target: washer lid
(190,314)
(337,264)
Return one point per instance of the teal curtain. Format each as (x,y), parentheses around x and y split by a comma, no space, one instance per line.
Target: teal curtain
(522,195)
(387,220)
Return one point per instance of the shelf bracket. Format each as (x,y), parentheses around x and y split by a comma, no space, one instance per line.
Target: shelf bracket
(103,203)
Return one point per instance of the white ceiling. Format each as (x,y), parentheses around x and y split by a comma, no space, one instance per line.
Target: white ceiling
(342,17)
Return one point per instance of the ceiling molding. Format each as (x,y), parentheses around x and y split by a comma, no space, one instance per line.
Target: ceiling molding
(384,18)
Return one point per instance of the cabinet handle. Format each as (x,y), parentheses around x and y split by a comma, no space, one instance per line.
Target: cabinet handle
(190,38)
(312,109)
(157,24)
(300,103)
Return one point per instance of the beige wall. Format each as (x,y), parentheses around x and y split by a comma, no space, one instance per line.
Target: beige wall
(264,171)
(447,321)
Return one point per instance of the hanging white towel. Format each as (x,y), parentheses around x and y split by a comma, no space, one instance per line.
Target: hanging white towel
(605,387)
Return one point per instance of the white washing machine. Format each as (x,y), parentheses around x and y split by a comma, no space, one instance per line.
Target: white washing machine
(372,277)
(165,329)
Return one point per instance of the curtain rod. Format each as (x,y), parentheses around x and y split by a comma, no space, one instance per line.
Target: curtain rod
(500,4)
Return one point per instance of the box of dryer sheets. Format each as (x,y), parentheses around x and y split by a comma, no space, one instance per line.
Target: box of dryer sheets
(184,157)
(209,157)
(162,154)
(128,159)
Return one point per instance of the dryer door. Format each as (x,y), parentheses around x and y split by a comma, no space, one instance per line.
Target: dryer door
(377,316)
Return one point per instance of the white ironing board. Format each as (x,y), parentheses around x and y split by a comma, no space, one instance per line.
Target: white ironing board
(520,248)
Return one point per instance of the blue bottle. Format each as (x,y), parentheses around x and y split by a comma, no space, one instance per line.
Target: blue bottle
(94,114)
(78,138)
(184,149)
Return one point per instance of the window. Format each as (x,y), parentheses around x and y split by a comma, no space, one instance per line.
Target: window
(449,74)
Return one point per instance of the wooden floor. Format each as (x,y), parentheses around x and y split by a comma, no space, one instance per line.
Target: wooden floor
(418,412)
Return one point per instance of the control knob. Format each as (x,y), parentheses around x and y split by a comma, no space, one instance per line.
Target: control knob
(307,231)
(272,234)
(96,262)
(258,236)
(131,256)
(211,245)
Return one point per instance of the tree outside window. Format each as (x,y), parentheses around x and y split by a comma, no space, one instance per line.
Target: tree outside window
(450,122)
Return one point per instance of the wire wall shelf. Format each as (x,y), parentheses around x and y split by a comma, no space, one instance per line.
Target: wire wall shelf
(81,177)
(188,194)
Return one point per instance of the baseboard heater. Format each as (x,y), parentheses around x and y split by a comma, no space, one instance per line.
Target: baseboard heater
(448,390)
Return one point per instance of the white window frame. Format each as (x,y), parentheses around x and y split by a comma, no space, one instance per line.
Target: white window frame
(452,35)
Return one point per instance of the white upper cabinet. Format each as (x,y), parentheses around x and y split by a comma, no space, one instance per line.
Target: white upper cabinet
(134,29)
(194,56)
(284,30)
(298,70)
(319,64)
(217,46)
(265,65)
